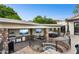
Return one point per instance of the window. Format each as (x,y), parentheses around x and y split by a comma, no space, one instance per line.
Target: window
(38,30)
(76,28)
(24,31)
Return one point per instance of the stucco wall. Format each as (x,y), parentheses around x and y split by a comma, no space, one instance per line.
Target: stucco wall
(63,23)
(71,28)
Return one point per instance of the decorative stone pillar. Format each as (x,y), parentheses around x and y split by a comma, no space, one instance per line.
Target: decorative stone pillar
(59,31)
(5,40)
(31,32)
(46,35)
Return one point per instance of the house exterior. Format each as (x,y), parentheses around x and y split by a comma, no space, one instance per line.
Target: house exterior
(73,23)
(70,24)
(9,26)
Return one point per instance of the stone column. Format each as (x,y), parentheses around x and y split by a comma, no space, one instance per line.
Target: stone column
(46,35)
(31,32)
(5,40)
(58,31)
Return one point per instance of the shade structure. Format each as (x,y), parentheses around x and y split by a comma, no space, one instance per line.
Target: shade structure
(12,24)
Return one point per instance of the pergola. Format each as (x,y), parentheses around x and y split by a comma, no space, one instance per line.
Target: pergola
(6,24)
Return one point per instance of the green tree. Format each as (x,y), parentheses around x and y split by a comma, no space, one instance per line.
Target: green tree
(38,19)
(8,12)
(76,10)
(44,20)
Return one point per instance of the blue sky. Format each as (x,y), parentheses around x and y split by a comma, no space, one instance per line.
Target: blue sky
(55,11)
